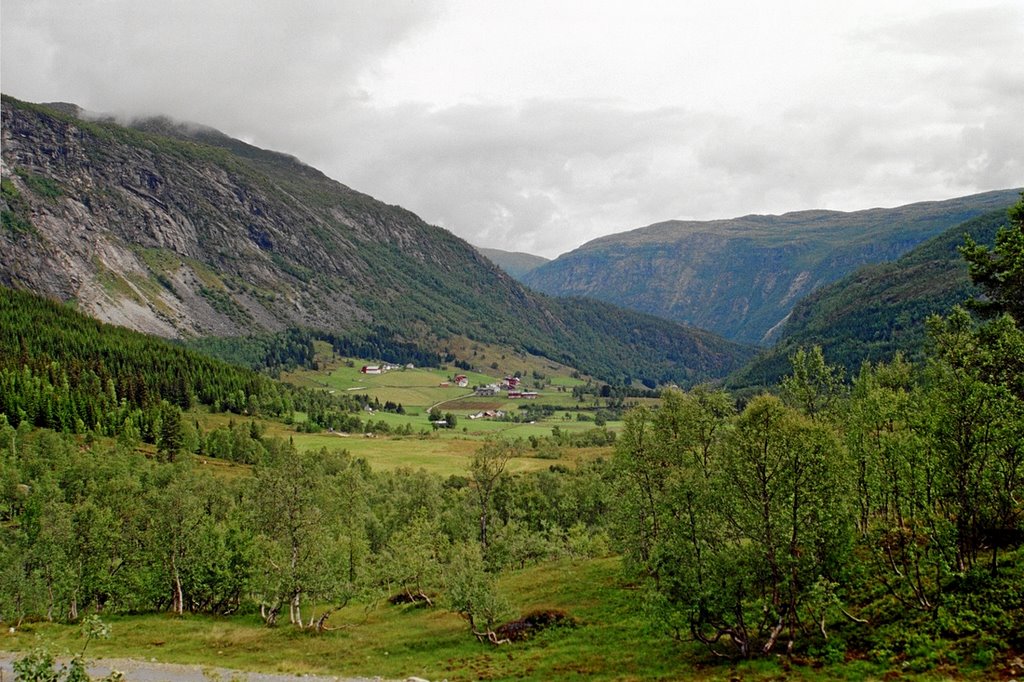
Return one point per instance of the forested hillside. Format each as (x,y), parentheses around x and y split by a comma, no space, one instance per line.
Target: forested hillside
(65,371)
(740,278)
(182,231)
(878,310)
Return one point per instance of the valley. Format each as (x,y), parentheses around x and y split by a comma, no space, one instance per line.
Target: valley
(409,439)
(253,419)
(740,278)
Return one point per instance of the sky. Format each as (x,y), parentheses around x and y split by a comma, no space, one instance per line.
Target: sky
(537,126)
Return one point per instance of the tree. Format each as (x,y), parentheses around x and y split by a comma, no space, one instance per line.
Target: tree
(171,435)
(1000,271)
(814,386)
(694,421)
(412,560)
(178,513)
(781,490)
(302,554)
(734,540)
(640,484)
(471,592)
(883,443)
(485,470)
(974,422)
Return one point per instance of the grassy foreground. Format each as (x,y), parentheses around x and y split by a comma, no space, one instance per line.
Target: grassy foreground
(610,642)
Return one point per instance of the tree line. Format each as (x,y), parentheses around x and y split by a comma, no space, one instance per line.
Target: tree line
(751,528)
(62,370)
(106,529)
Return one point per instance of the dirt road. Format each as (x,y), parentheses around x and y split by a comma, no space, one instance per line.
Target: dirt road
(151,671)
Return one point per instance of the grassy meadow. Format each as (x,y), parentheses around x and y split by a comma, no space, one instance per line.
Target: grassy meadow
(441,451)
(610,641)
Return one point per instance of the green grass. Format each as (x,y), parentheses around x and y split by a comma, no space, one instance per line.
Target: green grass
(442,452)
(40,184)
(410,387)
(500,360)
(421,387)
(611,641)
(114,284)
(417,390)
(443,455)
(159,259)
(15,224)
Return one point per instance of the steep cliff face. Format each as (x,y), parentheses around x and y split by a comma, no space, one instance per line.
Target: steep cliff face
(740,278)
(170,236)
(182,231)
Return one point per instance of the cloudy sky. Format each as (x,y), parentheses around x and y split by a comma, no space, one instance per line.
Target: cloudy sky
(537,125)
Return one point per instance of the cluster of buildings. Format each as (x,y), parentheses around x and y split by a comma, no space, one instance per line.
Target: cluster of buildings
(509,384)
(488,414)
(381,369)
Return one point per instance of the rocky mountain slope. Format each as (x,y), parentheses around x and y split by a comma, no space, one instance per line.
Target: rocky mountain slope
(740,278)
(878,309)
(182,231)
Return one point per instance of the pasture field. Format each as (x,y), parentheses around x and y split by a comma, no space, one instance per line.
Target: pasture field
(423,387)
(415,388)
(441,451)
(503,361)
(443,456)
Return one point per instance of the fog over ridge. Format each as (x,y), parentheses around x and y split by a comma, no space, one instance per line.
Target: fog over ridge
(537,136)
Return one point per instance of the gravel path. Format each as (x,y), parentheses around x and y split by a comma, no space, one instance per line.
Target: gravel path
(449,400)
(142,671)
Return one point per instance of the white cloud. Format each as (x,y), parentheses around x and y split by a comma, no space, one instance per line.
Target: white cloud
(537,126)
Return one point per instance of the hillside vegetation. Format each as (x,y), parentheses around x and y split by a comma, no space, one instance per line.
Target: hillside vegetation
(823,529)
(868,529)
(62,370)
(878,310)
(182,231)
(778,539)
(740,278)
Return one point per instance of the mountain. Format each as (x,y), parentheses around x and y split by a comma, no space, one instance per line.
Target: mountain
(878,309)
(741,277)
(181,231)
(515,263)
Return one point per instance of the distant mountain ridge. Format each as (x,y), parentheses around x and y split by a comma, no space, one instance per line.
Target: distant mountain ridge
(515,263)
(741,277)
(877,310)
(180,230)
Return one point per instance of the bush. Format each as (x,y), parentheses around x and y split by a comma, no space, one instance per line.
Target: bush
(533,623)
